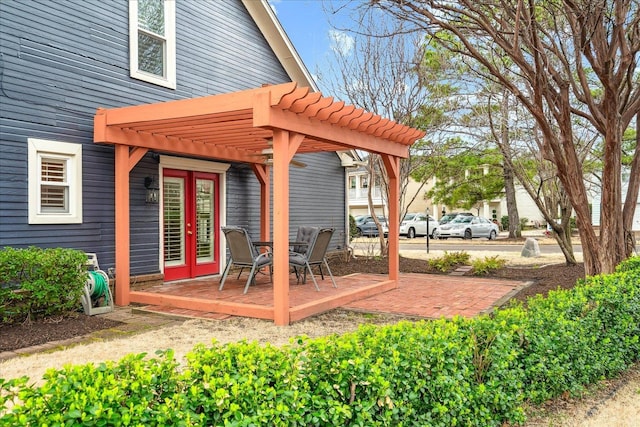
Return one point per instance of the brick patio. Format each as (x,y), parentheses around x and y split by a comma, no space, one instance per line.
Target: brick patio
(418,295)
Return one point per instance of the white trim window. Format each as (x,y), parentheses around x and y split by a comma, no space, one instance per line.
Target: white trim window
(352,182)
(55,182)
(152,41)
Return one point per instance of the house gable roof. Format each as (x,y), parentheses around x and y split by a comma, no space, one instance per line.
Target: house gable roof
(274,33)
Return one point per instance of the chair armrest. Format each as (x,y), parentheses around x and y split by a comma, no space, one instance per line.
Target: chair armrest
(267,254)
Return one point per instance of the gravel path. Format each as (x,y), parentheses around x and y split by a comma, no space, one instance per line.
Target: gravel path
(183,337)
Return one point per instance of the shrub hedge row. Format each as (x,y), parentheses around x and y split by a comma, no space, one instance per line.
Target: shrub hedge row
(471,372)
(37,282)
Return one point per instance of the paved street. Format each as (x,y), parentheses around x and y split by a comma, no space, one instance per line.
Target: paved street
(479,247)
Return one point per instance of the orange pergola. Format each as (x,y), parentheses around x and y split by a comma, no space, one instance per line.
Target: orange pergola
(237,127)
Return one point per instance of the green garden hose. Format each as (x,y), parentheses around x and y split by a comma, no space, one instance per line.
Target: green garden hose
(98,285)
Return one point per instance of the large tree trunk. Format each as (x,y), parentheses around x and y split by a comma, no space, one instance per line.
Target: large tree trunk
(612,248)
(509,181)
(512,207)
(631,200)
(562,232)
(573,183)
(569,172)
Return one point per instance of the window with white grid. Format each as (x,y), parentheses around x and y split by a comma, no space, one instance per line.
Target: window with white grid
(55,182)
(152,41)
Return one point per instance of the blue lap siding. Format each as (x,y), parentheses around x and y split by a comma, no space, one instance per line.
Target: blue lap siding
(61,60)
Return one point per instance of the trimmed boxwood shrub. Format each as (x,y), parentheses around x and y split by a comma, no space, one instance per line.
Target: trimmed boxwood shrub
(479,371)
(573,338)
(36,282)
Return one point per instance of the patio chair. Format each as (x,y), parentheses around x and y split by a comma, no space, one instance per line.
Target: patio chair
(244,254)
(305,234)
(315,256)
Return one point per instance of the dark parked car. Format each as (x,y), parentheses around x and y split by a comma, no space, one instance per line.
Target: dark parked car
(468,227)
(367,226)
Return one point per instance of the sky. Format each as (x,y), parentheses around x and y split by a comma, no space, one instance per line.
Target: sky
(308,27)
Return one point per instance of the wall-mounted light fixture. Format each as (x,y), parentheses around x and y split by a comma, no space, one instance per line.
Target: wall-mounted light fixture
(153,191)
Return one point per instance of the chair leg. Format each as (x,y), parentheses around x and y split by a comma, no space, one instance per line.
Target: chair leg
(329,270)
(224,275)
(312,276)
(321,273)
(251,278)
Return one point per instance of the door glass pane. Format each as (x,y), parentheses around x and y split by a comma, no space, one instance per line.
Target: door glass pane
(174,242)
(204,220)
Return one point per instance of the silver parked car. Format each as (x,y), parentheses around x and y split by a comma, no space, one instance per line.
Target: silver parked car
(415,224)
(450,216)
(468,227)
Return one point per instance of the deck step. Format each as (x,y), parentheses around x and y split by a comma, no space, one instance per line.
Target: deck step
(179,313)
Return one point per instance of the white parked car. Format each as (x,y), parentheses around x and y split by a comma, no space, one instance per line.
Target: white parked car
(415,224)
(468,227)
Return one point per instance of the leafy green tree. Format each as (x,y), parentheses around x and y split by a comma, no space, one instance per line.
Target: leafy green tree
(467,179)
(561,60)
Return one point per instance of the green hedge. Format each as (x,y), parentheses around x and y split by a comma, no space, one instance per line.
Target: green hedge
(36,282)
(480,371)
(579,337)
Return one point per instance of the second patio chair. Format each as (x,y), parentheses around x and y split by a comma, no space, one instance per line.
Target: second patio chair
(244,254)
(315,256)
(304,235)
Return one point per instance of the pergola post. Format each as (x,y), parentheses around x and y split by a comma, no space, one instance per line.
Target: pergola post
(262,173)
(392,166)
(285,145)
(122,224)
(125,161)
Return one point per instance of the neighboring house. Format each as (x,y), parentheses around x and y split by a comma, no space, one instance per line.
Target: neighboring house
(358,187)
(62,60)
(596,208)
(358,190)
(358,193)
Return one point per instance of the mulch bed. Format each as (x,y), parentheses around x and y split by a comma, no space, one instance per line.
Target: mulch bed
(545,278)
(30,333)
